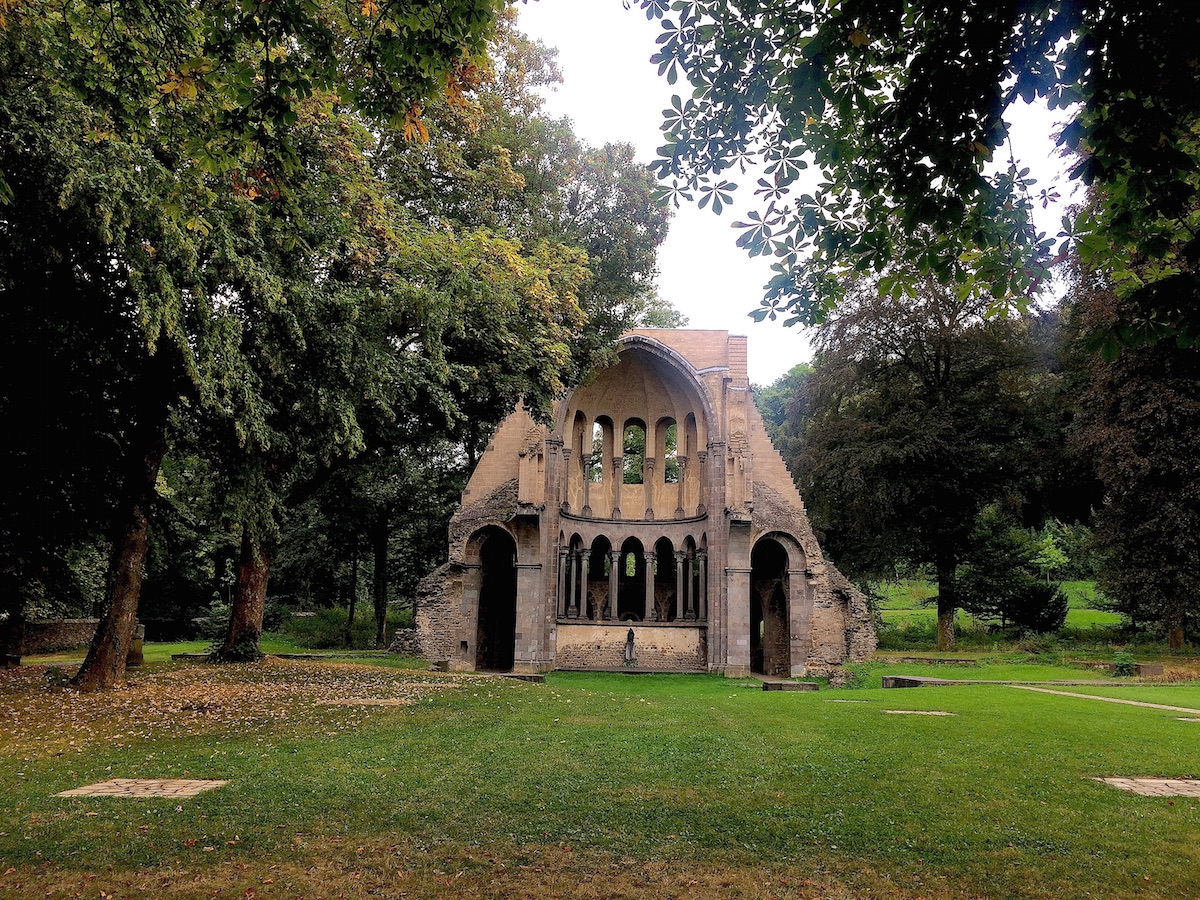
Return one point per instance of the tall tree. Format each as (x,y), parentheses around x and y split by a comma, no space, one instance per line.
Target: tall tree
(1139,419)
(914,428)
(167,129)
(899,106)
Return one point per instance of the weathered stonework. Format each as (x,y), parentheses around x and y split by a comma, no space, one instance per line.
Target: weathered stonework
(653,502)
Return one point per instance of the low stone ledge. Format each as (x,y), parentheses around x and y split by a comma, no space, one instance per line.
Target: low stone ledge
(804,686)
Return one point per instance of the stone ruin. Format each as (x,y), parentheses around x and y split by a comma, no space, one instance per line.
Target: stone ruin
(654,502)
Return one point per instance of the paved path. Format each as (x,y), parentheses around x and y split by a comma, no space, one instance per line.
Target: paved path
(1041,690)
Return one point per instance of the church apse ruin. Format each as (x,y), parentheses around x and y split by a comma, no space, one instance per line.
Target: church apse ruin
(650,526)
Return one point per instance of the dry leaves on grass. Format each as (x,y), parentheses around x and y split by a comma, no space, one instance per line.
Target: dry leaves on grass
(269,696)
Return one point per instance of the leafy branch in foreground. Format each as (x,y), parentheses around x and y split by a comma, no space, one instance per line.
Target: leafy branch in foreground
(899,107)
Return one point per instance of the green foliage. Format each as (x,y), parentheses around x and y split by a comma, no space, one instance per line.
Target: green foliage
(1123,664)
(325,629)
(898,108)
(1139,419)
(999,580)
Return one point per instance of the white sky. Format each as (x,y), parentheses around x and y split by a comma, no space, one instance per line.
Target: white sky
(612,93)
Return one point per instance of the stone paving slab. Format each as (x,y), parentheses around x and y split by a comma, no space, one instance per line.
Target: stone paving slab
(1157,787)
(145,787)
(917,712)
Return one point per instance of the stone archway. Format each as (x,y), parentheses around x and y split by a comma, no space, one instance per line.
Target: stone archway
(496,629)
(770,633)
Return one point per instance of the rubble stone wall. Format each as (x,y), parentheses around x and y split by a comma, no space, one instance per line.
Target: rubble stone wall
(662,648)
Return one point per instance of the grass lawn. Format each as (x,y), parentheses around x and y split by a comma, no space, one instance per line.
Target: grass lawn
(587,785)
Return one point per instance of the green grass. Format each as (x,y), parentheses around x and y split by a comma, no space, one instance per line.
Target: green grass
(651,784)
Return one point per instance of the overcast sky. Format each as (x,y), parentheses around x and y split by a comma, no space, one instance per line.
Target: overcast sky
(612,93)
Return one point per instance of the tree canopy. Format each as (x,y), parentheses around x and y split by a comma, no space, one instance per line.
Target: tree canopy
(899,106)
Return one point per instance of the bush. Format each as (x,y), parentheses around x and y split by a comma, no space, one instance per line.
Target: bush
(1123,664)
(326,628)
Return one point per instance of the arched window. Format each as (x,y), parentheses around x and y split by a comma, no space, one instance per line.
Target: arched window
(596,471)
(634,451)
(671,454)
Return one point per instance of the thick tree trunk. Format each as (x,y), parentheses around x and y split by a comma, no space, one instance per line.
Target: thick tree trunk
(1174,625)
(379,540)
(249,600)
(104,666)
(947,603)
(353,591)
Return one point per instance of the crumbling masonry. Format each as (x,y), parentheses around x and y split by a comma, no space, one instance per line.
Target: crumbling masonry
(654,503)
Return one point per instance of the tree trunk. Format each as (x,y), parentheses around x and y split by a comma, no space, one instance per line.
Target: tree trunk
(1175,629)
(353,591)
(249,600)
(104,666)
(380,543)
(947,603)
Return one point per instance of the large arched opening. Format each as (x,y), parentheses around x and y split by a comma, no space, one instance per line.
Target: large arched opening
(495,637)
(770,642)
(631,582)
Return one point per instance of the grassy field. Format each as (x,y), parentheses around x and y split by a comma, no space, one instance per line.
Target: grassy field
(589,785)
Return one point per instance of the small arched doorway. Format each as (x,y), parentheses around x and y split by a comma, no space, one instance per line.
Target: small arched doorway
(770,644)
(496,635)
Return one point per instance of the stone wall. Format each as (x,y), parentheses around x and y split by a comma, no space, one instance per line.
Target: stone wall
(659,648)
(439,598)
(53,635)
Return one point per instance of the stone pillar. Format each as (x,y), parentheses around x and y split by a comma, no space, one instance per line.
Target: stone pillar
(681,603)
(586,560)
(702,507)
(562,601)
(799,618)
(472,581)
(566,479)
(651,611)
(572,608)
(614,583)
(618,469)
(702,594)
(682,460)
(586,460)
(737,623)
(648,483)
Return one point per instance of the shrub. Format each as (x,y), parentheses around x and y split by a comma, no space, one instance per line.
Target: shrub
(1123,663)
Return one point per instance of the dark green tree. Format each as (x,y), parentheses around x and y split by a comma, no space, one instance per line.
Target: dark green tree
(999,578)
(917,409)
(1139,420)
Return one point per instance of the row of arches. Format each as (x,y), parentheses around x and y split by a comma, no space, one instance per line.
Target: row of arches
(631,582)
(662,585)
(666,442)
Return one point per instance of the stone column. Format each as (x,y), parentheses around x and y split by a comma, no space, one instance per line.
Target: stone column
(702,507)
(682,460)
(586,460)
(572,608)
(681,602)
(583,594)
(800,618)
(651,611)
(618,468)
(472,582)
(614,584)
(566,479)
(648,483)
(561,600)
(702,598)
